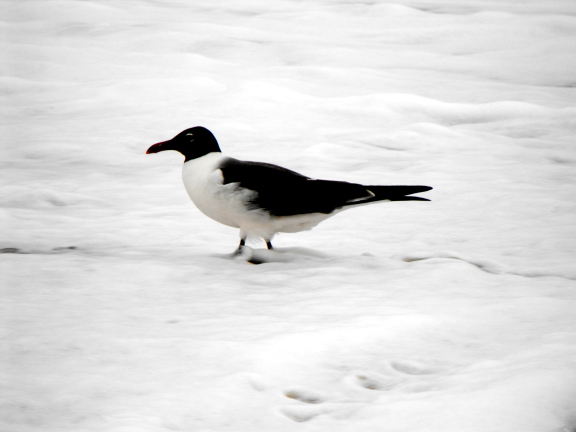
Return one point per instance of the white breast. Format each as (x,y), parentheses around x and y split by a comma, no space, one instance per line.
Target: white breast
(226,204)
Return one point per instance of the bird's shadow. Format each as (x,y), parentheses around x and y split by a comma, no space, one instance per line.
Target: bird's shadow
(276,255)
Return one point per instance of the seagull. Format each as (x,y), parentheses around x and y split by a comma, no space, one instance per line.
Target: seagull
(262,199)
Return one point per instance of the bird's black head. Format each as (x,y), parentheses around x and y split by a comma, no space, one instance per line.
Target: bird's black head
(192,143)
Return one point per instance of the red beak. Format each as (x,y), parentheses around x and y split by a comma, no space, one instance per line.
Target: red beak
(158,147)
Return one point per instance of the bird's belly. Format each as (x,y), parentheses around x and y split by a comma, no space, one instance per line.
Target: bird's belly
(221,203)
(297,223)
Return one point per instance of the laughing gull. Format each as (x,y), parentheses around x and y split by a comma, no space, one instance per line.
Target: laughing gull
(264,199)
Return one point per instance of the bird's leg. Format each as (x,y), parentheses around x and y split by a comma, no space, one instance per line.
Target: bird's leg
(240,246)
(269,244)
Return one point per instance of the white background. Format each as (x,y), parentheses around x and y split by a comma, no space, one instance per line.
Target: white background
(120,307)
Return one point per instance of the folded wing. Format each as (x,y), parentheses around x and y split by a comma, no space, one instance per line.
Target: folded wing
(283,192)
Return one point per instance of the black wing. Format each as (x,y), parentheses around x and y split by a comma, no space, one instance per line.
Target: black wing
(394,193)
(283,192)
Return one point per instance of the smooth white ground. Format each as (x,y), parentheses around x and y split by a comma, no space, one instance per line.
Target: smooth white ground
(120,310)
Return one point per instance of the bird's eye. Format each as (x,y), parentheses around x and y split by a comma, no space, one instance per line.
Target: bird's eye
(191,135)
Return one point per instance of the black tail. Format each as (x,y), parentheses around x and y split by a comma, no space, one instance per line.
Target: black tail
(393,193)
